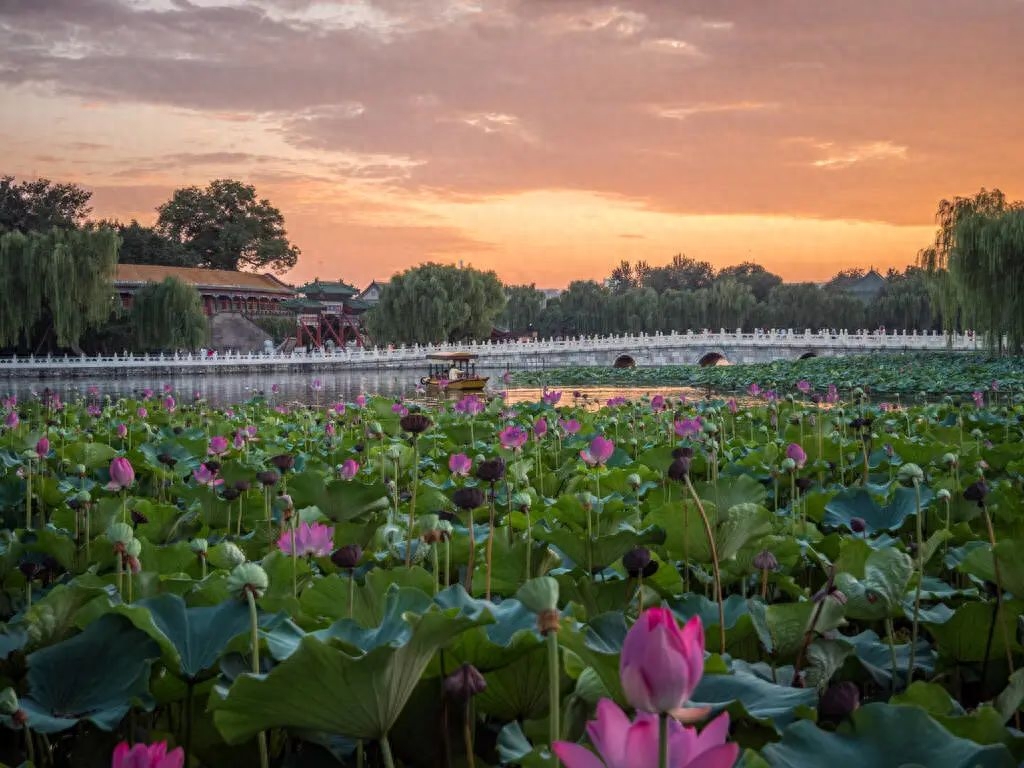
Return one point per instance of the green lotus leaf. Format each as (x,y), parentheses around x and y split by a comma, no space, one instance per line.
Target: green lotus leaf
(883,736)
(743,693)
(95,676)
(881,592)
(851,503)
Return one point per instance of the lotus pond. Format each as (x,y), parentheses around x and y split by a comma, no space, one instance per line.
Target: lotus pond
(379,583)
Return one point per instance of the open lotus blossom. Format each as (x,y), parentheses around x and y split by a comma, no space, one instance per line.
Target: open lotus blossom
(689,427)
(460,464)
(754,390)
(206,476)
(540,427)
(551,396)
(169,403)
(122,475)
(512,437)
(624,744)
(598,452)
(311,539)
(804,386)
(218,445)
(147,393)
(616,402)
(349,469)
(147,756)
(168,389)
(569,426)
(470,405)
(361,401)
(797,454)
(661,664)
(316,385)
(275,389)
(11,420)
(339,409)
(658,403)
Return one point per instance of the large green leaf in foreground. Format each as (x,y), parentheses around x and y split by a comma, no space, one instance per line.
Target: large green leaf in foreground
(882,736)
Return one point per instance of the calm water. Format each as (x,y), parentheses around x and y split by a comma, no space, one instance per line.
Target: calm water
(225,389)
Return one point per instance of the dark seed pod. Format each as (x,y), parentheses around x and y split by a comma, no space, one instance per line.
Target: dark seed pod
(638,562)
(679,469)
(283,461)
(464,683)
(491,470)
(415,423)
(468,498)
(347,556)
(839,701)
(268,477)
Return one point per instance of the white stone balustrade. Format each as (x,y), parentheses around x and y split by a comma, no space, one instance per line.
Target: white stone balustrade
(646,349)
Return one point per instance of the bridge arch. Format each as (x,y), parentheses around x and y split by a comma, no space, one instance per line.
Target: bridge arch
(807,355)
(712,358)
(624,361)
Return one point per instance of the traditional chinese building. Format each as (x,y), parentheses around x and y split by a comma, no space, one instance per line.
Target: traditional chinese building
(371,293)
(222,290)
(328,311)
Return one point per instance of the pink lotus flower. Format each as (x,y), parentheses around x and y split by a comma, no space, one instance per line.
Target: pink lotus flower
(689,427)
(239,440)
(512,437)
(569,426)
(551,397)
(121,474)
(540,427)
(661,664)
(205,476)
(147,393)
(616,402)
(624,744)
(218,445)
(11,421)
(169,403)
(598,452)
(93,390)
(95,411)
(349,469)
(833,394)
(339,408)
(9,401)
(361,401)
(658,404)
(317,385)
(797,454)
(122,431)
(43,447)
(142,413)
(329,429)
(732,405)
(994,386)
(804,386)
(460,464)
(754,389)
(147,756)
(314,540)
(168,389)
(470,405)
(979,398)
(275,389)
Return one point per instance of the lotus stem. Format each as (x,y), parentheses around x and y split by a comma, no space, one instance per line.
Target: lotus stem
(437,570)
(889,632)
(490,547)
(295,558)
(663,740)
(412,501)
(385,752)
(254,623)
(714,561)
(920,578)
(351,594)
(999,597)
(120,573)
(467,734)
(529,545)
(187,740)
(554,727)
(28,496)
(30,747)
(472,555)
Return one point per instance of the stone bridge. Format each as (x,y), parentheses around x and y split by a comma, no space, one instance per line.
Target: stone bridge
(690,348)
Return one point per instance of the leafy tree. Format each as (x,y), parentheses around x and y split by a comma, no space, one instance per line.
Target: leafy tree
(168,315)
(437,302)
(905,302)
(225,226)
(57,286)
(681,273)
(757,278)
(523,307)
(145,245)
(40,205)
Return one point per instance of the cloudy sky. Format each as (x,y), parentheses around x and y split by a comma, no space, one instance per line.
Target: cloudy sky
(546,139)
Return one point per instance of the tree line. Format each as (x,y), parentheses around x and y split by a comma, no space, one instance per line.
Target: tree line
(57,265)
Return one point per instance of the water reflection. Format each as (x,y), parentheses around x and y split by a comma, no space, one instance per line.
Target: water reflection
(226,389)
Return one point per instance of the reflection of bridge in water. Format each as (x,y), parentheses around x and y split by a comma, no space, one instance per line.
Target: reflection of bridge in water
(704,348)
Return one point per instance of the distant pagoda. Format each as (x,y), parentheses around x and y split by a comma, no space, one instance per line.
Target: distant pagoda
(328,311)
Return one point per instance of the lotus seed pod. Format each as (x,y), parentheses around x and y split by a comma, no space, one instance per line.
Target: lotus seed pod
(231,555)
(394,453)
(199,546)
(83,497)
(80,470)
(446,528)
(540,594)
(950,459)
(248,577)
(374,428)
(943,493)
(788,465)
(427,523)
(133,548)
(120,533)
(910,474)
(634,481)
(588,500)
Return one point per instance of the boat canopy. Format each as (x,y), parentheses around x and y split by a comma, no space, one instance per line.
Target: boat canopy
(452,357)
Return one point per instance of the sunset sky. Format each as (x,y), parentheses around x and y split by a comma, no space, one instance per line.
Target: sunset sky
(544,139)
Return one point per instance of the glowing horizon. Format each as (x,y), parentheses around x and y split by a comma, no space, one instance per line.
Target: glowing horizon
(546,141)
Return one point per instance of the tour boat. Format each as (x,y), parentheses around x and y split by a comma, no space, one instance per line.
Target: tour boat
(453,371)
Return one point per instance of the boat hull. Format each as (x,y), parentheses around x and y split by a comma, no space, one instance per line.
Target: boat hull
(471,384)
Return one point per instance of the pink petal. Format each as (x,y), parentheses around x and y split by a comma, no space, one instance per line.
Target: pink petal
(609,731)
(641,745)
(722,756)
(575,756)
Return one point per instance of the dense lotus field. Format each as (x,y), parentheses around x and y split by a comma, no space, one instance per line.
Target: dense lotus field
(913,377)
(804,578)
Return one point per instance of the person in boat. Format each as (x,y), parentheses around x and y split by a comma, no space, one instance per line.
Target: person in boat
(454,374)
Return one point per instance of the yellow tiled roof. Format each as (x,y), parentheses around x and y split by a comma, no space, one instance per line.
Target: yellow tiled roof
(138,274)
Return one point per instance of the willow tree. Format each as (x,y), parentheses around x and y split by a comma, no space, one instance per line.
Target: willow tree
(437,302)
(168,316)
(976,266)
(57,286)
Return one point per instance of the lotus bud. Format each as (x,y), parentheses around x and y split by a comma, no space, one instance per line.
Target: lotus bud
(839,701)
(638,562)
(943,493)
(522,501)
(248,577)
(464,683)
(120,534)
(8,702)
(231,555)
(634,481)
(858,524)
(910,474)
